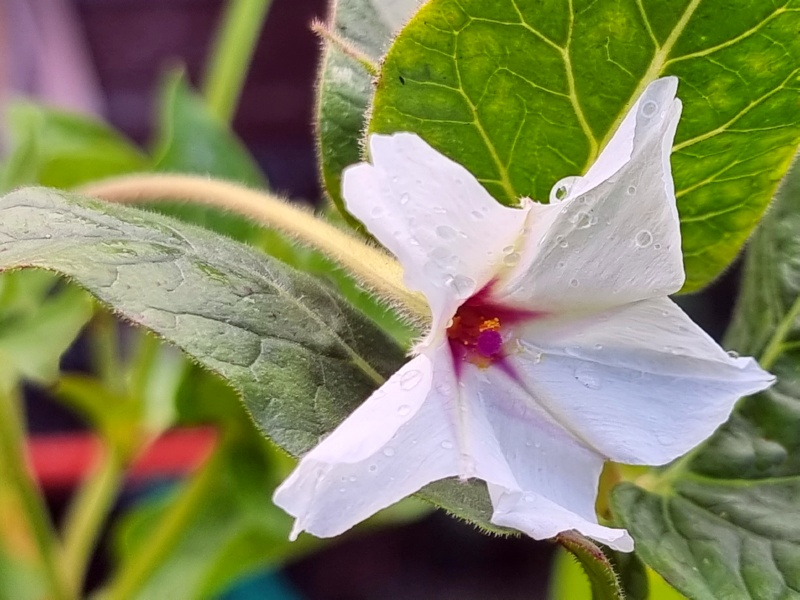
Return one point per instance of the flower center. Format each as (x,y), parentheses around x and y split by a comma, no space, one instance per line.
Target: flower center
(475,334)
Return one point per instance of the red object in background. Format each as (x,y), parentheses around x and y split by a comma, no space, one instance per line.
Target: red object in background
(62,461)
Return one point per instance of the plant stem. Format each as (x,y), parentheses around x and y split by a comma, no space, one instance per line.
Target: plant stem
(372,267)
(171,526)
(12,444)
(231,55)
(104,350)
(87,514)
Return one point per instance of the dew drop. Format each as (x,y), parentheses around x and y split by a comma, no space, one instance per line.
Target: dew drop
(446,445)
(477,215)
(657,246)
(404,198)
(403,410)
(47,236)
(446,232)
(561,190)
(598,346)
(649,108)
(733,354)
(439,210)
(377,211)
(561,241)
(643,239)
(462,285)
(561,264)
(511,259)
(352,479)
(388,451)
(410,379)
(443,389)
(342,490)
(588,377)
(373,468)
(574,282)
(508,249)
(665,438)
(631,190)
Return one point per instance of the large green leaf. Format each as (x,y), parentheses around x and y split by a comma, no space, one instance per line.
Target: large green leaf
(62,149)
(525,92)
(725,521)
(345,84)
(300,356)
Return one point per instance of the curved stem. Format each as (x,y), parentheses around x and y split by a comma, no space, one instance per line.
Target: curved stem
(231,55)
(172,525)
(12,438)
(372,267)
(87,515)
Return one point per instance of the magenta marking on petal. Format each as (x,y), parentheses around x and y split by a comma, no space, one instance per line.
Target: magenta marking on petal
(459,354)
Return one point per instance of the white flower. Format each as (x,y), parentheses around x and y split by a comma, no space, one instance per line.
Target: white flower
(553,345)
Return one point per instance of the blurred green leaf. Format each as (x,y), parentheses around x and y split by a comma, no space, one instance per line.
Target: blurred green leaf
(725,521)
(344,88)
(191,140)
(60,149)
(32,340)
(525,92)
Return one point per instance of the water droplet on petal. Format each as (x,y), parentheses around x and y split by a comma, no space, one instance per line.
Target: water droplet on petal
(511,259)
(403,410)
(463,286)
(508,249)
(388,451)
(352,479)
(477,215)
(404,198)
(649,108)
(561,241)
(446,445)
(446,232)
(574,282)
(588,377)
(598,346)
(733,354)
(439,210)
(666,439)
(644,238)
(342,490)
(373,468)
(377,211)
(561,190)
(410,379)
(631,190)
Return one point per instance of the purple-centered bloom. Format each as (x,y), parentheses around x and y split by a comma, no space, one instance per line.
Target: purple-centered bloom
(553,345)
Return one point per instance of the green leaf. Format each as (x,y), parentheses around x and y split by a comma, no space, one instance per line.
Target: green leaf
(301,358)
(345,84)
(34,335)
(525,92)
(60,149)
(725,521)
(191,140)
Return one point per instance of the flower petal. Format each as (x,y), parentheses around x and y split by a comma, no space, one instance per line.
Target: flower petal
(398,440)
(540,479)
(441,224)
(640,384)
(615,238)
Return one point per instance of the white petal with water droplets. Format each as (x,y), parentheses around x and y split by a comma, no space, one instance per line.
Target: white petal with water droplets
(389,448)
(615,238)
(444,227)
(541,480)
(641,384)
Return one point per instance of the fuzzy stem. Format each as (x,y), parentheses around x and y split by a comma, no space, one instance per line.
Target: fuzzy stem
(372,267)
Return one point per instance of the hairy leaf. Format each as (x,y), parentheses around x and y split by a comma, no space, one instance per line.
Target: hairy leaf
(725,521)
(345,84)
(525,92)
